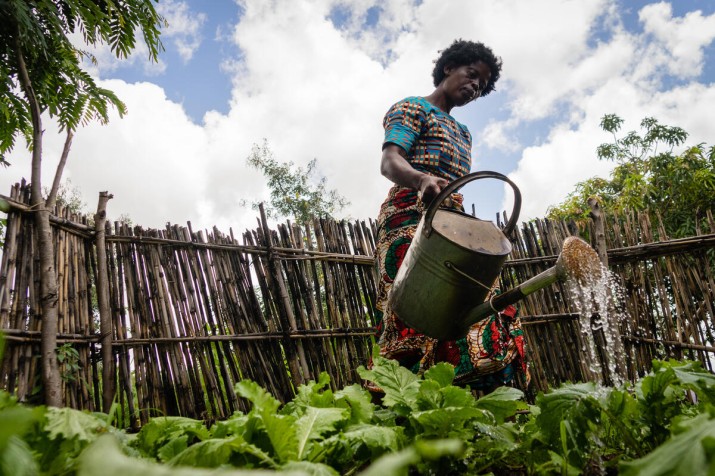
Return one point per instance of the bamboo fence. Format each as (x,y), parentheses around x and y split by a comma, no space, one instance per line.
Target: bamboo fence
(193,312)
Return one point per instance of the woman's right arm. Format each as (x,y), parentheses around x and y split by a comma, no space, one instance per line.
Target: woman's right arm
(394,166)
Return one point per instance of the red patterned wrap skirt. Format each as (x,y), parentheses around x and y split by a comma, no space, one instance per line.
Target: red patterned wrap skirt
(492,352)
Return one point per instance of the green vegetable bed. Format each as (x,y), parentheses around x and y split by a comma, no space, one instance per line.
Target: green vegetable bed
(662,424)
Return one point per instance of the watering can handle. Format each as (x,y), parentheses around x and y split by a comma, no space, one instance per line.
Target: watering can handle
(453,186)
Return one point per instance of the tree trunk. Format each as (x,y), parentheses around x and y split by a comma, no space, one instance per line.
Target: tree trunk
(105,313)
(48,276)
(48,301)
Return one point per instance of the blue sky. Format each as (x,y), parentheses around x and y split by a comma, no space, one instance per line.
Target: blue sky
(314,78)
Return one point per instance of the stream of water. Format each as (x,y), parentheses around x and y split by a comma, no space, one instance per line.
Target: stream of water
(596,296)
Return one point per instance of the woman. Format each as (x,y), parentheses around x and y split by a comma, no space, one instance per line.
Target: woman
(424,149)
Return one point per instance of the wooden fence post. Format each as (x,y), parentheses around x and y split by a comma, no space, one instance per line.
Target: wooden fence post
(105,313)
(600,230)
(611,314)
(294,351)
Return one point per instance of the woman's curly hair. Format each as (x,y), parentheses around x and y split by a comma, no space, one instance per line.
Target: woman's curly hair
(463,52)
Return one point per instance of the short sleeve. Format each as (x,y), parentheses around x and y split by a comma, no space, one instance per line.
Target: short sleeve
(403,124)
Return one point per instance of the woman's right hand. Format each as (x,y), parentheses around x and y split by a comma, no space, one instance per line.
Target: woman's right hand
(429,187)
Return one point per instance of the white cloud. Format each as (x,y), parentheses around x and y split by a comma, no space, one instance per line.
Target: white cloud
(681,40)
(152,165)
(496,135)
(184,26)
(316,91)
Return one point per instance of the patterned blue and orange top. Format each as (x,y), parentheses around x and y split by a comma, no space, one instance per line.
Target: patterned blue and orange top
(434,141)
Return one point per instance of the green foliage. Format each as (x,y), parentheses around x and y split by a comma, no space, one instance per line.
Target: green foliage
(15,422)
(649,176)
(107,458)
(690,451)
(663,424)
(35,33)
(41,72)
(68,357)
(295,192)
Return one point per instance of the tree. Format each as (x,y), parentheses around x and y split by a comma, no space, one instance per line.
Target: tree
(295,193)
(41,73)
(69,197)
(649,176)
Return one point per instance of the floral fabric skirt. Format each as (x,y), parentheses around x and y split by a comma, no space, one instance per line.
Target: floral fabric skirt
(492,352)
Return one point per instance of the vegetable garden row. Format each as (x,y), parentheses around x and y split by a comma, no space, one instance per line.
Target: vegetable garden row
(663,424)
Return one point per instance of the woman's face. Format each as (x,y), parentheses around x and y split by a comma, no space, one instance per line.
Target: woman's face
(465,83)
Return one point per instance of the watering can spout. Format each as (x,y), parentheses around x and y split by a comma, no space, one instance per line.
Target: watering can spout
(577,261)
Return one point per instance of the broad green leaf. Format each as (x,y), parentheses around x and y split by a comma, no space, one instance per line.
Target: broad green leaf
(398,464)
(685,454)
(503,435)
(399,384)
(377,439)
(313,469)
(67,423)
(442,373)
(174,447)
(457,397)
(435,449)
(432,396)
(238,424)
(692,374)
(263,402)
(314,425)
(210,453)
(503,403)
(622,412)
(162,430)
(16,420)
(571,401)
(106,459)
(358,400)
(661,398)
(16,458)
(449,422)
(393,464)
(620,403)
(312,394)
(429,396)
(653,387)
(216,452)
(495,444)
(282,433)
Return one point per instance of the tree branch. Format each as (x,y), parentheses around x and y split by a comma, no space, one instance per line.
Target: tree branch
(52,197)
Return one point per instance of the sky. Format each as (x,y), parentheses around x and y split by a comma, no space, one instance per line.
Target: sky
(314,79)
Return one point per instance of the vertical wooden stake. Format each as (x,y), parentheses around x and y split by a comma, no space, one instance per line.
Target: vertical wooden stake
(105,313)
(613,326)
(600,230)
(294,352)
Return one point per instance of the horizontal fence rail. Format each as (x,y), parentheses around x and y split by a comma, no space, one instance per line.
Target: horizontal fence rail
(194,312)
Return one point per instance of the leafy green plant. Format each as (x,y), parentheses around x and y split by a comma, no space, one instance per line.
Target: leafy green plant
(649,175)
(662,424)
(68,357)
(296,193)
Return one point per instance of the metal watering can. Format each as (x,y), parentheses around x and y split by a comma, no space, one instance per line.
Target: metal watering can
(448,270)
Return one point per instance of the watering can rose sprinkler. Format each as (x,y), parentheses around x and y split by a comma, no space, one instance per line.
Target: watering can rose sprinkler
(441,287)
